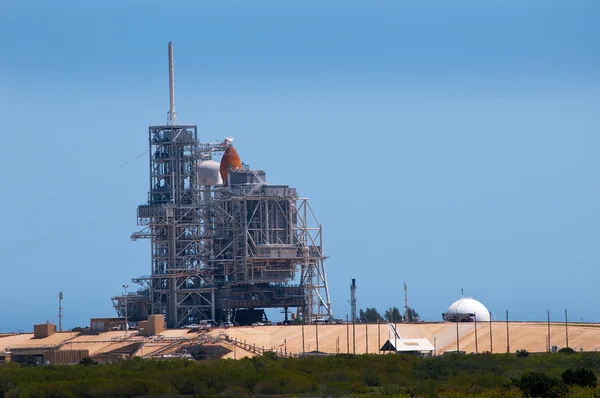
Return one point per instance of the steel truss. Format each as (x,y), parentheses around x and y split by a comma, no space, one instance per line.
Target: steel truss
(310,236)
(180,285)
(216,249)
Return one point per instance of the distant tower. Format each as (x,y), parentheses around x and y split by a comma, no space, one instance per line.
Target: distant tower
(225,244)
(353,299)
(60,316)
(405,303)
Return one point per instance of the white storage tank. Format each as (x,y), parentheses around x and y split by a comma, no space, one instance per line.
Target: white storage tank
(207,173)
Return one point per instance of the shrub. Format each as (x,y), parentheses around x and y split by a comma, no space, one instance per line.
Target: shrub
(493,393)
(522,353)
(567,350)
(87,361)
(392,390)
(339,389)
(582,392)
(579,377)
(235,391)
(372,379)
(270,355)
(538,384)
(267,386)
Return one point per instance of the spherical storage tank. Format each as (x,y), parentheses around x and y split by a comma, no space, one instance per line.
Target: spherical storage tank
(470,306)
(208,173)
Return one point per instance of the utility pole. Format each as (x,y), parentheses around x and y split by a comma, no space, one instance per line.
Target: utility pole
(457,343)
(491,341)
(347,335)
(303,352)
(366,338)
(476,348)
(567,329)
(60,315)
(405,303)
(317,336)
(354,335)
(379,335)
(549,346)
(507,335)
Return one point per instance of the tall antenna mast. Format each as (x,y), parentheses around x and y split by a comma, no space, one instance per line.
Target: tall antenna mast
(60,315)
(172,116)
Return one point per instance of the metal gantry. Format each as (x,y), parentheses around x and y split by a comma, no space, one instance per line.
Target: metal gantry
(221,248)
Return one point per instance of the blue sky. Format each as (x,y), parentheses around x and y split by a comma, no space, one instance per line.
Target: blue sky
(445,145)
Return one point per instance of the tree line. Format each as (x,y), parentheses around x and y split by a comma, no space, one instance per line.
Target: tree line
(391,315)
(547,375)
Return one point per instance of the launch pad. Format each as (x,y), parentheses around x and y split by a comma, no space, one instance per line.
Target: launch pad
(224,242)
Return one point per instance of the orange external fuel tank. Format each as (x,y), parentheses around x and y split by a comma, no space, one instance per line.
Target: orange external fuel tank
(230,159)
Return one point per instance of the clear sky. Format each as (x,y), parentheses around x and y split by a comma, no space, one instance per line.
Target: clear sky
(447,145)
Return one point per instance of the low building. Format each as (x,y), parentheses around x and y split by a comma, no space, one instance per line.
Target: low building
(44,355)
(43,330)
(153,326)
(409,346)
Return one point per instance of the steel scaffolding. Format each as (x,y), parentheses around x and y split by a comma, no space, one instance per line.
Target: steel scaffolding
(217,249)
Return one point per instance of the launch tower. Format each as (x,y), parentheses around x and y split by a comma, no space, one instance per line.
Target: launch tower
(225,244)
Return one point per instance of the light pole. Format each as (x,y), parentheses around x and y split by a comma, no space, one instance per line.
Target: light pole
(457,343)
(507,335)
(475,318)
(126,323)
(566,329)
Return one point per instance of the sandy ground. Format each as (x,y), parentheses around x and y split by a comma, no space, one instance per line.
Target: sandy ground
(359,339)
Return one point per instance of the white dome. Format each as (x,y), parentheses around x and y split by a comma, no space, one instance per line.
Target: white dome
(470,306)
(208,173)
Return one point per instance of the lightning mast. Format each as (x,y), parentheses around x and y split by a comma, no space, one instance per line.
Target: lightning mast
(172,115)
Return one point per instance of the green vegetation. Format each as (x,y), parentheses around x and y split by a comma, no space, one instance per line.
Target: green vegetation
(567,350)
(449,376)
(522,353)
(392,314)
(369,315)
